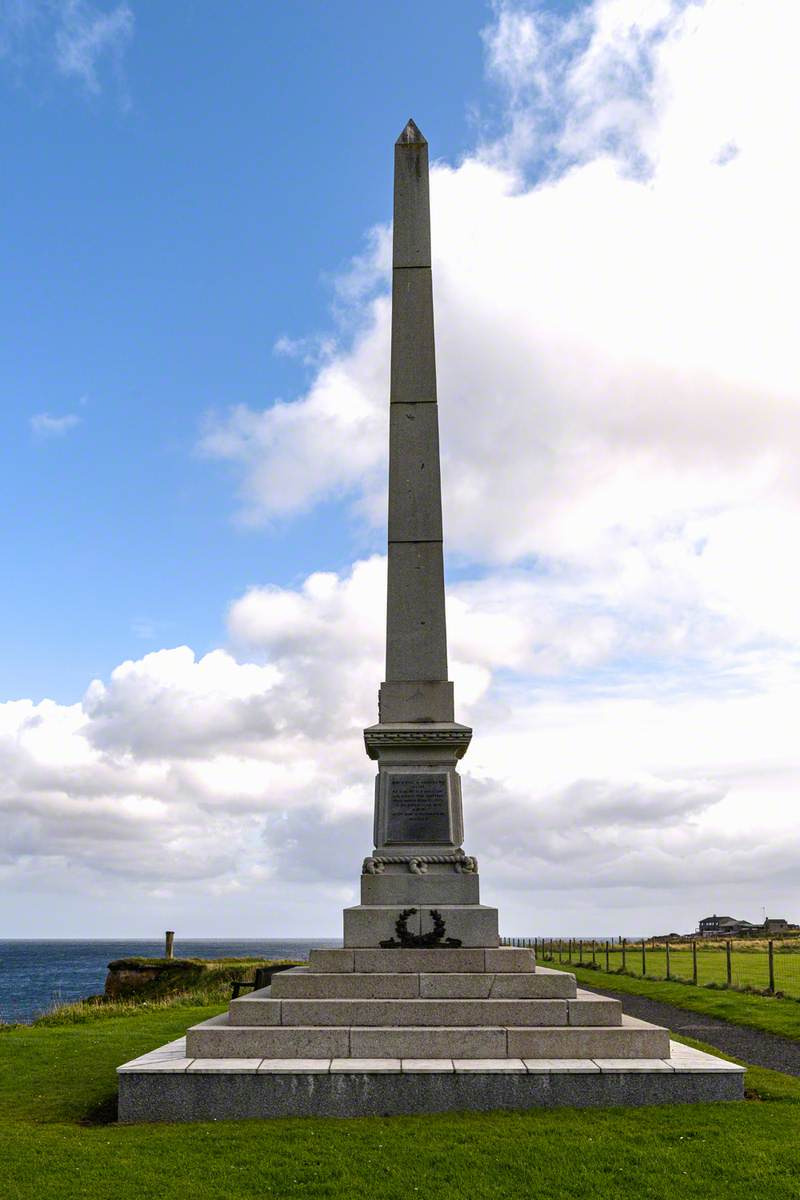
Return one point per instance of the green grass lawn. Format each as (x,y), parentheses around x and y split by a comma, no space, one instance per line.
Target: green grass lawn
(57,1139)
(749,968)
(770,1013)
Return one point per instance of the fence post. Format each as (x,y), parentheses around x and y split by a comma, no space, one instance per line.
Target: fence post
(580,951)
(594,956)
(694,963)
(570,949)
(560,950)
(607,966)
(771,966)
(624,954)
(644,959)
(728,969)
(666,947)
(169,943)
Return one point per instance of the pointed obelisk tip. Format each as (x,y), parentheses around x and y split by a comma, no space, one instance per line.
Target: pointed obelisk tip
(411,136)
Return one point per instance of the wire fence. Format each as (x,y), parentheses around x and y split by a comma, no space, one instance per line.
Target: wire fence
(771,967)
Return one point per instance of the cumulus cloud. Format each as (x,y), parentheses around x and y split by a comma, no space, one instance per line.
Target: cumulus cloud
(248,773)
(614,333)
(43,425)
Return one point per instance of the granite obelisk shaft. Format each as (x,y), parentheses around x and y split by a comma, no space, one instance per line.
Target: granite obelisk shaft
(416,686)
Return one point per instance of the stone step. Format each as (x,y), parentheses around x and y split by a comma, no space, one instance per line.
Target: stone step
(302,984)
(399,1012)
(632,1039)
(465,959)
(261,1009)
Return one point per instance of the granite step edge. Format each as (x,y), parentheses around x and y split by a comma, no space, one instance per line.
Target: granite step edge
(172,1058)
(582,1010)
(632,1039)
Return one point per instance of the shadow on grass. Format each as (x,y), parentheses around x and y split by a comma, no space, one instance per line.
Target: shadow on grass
(102,1113)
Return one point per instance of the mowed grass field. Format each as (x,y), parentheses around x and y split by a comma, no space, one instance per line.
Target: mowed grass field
(749,968)
(57,1138)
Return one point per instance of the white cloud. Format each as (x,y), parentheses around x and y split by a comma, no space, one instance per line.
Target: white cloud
(43,425)
(614,281)
(615,346)
(79,38)
(223,773)
(87,34)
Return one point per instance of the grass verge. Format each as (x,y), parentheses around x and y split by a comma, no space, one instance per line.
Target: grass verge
(772,1014)
(184,983)
(57,1093)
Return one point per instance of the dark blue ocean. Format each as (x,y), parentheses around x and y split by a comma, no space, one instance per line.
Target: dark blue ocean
(36,975)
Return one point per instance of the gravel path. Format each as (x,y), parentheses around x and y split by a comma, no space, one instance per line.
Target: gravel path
(750,1045)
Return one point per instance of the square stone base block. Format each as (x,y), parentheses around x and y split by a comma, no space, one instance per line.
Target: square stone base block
(167,1086)
(367,925)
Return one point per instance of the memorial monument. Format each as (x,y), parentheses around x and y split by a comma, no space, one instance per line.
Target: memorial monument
(422,1009)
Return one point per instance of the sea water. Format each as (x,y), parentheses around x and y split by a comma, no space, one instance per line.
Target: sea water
(35,975)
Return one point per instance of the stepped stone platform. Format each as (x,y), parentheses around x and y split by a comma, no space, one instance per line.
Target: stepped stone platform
(362,1031)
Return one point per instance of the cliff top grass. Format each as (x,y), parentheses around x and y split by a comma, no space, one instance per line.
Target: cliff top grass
(184,964)
(180,984)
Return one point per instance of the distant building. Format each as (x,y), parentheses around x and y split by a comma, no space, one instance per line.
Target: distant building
(778,925)
(725,927)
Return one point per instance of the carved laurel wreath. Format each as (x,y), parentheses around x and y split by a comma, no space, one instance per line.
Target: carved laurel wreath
(420,941)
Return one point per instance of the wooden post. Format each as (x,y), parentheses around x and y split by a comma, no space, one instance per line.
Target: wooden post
(694,963)
(169,942)
(594,955)
(644,958)
(771,966)
(580,951)
(728,967)
(560,950)
(624,957)
(607,965)
(666,947)
(570,949)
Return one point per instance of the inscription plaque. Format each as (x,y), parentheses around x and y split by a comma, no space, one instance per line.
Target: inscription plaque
(418,809)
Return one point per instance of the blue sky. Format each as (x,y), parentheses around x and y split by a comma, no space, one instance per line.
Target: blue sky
(194,365)
(162,232)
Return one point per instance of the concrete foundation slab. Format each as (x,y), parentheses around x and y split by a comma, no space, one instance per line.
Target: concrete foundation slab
(419,1086)
(301,1066)
(423,1065)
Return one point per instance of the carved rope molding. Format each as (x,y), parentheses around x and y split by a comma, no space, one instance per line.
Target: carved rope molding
(463,864)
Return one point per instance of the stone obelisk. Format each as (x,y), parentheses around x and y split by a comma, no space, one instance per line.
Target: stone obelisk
(421,1010)
(418,857)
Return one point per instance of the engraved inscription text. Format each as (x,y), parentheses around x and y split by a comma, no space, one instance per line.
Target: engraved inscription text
(418,809)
